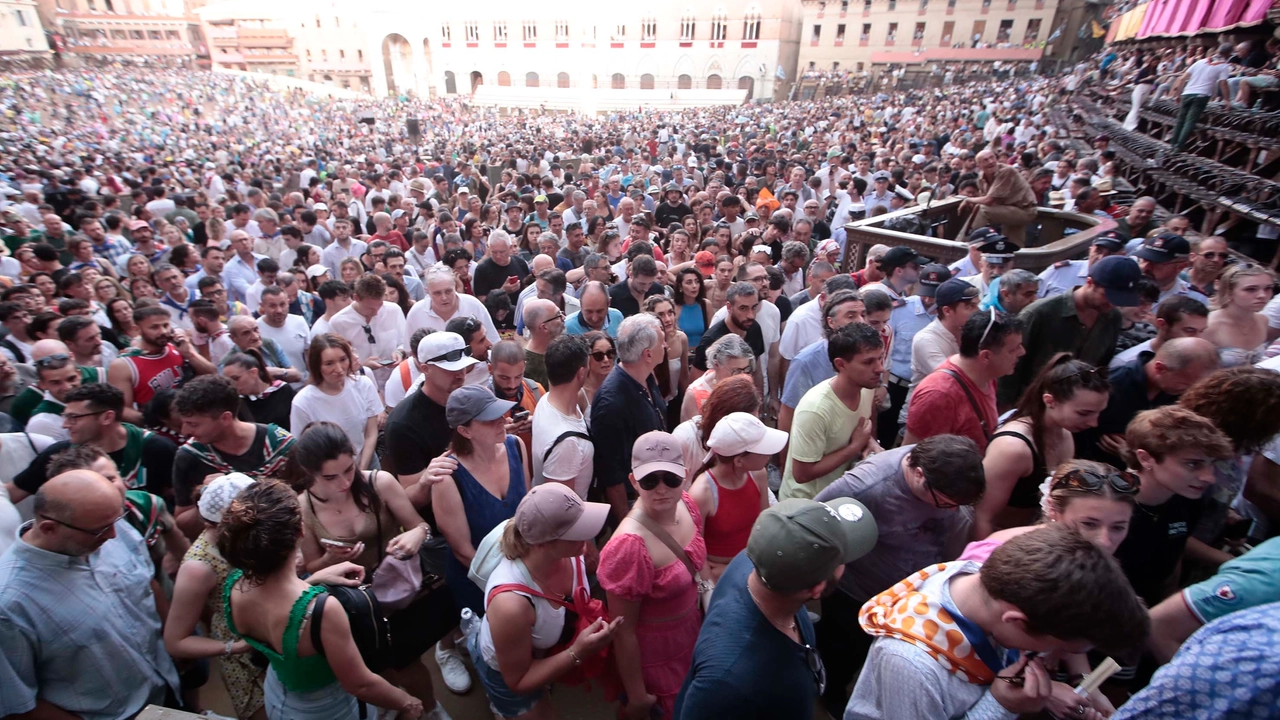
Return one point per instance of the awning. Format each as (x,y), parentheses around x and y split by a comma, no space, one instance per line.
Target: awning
(1181,18)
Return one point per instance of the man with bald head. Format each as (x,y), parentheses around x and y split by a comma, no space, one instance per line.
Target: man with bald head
(538,265)
(1146,382)
(545,322)
(246,334)
(24,404)
(595,312)
(1006,200)
(78,620)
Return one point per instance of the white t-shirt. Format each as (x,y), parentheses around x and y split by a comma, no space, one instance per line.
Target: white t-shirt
(349,409)
(803,329)
(294,337)
(1203,77)
(572,460)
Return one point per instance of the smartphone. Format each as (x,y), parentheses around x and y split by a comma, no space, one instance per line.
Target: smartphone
(520,416)
(336,543)
(386,363)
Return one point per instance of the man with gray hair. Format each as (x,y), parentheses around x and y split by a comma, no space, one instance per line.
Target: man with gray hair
(628,404)
(1012,291)
(576,214)
(805,326)
(545,322)
(819,272)
(794,257)
(270,241)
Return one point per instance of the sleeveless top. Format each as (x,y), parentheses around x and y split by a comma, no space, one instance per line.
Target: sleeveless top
(1026,492)
(692,322)
(483,509)
(152,373)
(1229,357)
(734,514)
(549,619)
(297,674)
(367,533)
(700,389)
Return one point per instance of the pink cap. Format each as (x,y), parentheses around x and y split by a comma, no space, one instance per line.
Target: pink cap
(552,511)
(656,452)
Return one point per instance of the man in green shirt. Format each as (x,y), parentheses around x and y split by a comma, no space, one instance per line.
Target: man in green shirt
(1084,322)
(831,430)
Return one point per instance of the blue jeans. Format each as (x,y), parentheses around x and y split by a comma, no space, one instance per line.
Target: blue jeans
(504,701)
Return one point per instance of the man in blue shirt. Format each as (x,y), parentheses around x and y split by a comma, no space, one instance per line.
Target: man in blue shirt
(78,620)
(595,313)
(755,656)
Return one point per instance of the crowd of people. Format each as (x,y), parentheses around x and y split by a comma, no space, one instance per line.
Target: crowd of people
(592,401)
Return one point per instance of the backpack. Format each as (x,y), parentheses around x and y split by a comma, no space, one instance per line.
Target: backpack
(369,627)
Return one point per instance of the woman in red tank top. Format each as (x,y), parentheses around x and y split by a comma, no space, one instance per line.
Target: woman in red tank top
(732,487)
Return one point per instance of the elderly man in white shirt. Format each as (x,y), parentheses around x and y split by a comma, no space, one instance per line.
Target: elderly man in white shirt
(804,327)
(443,303)
(374,327)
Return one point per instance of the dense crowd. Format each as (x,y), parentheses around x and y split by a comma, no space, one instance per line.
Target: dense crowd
(566,400)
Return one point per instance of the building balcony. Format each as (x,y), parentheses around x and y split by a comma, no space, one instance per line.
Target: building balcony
(264,37)
(948,54)
(127,17)
(131,49)
(275,57)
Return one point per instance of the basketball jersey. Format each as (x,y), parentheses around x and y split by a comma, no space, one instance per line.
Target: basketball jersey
(152,373)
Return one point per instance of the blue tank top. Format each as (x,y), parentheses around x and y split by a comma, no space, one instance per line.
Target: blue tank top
(484,511)
(692,323)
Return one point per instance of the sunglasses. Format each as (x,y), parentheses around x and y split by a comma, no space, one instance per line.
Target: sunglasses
(95,534)
(1122,481)
(602,355)
(368,334)
(1087,373)
(53,362)
(816,667)
(1215,255)
(990,323)
(650,481)
(451,356)
(1021,677)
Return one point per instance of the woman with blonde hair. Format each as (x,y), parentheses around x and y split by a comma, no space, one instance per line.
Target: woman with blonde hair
(1236,324)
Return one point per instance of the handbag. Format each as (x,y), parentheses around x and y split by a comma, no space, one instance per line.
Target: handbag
(705,587)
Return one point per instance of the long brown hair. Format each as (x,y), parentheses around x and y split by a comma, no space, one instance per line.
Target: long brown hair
(1061,378)
(315,354)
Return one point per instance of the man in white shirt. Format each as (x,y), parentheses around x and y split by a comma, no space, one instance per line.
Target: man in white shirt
(804,327)
(561,446)
(1198,85)
(268,269)
(290,332)
(243,263)
(374,327)
(336,296)
(161,205)
(343,246)
(443,303)
(769,319)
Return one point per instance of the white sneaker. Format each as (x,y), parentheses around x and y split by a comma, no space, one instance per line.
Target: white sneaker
(454,671)
(439,713)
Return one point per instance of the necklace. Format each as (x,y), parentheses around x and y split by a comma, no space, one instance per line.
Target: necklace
(787,629)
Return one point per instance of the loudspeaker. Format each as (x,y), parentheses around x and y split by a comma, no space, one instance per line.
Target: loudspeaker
(367,118)
(412,125)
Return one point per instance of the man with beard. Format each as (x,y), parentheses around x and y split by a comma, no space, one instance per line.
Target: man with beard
(158,362)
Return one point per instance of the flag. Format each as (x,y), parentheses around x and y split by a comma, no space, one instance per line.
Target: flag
(1098,30)
(1055,34)
(780,73)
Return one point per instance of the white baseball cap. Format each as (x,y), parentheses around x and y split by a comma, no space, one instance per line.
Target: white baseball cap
(316,270)
(445,350)
(740,432)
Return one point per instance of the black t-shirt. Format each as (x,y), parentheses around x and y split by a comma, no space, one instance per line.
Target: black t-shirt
(273,408)
(417,433)
(666,213)
(155,468)
(190,470)
(1155,543)
(754,338)
(783,303)
(490,276)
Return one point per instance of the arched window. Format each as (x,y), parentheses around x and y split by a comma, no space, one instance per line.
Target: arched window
(748,83)
(450,83)
(504,79)
(619,81)
(713,82)
(684,82)
(562,80)
(531,79)
(646,82)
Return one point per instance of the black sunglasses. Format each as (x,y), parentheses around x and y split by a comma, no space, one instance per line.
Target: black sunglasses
(650,481)
(55,362)
(816,667)
(94,533)
(451,356)
(1122,481)
(368,333)
(602,355)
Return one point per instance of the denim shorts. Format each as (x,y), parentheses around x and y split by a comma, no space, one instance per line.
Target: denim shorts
(502,700)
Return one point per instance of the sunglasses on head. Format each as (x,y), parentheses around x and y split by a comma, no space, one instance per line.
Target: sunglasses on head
(650,481)
(451,356)
(1122,481)
(49,361)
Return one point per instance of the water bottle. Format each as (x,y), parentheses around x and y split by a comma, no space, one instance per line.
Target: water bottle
(470,624)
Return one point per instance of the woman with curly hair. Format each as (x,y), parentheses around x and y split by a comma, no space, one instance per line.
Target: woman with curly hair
(1066,397)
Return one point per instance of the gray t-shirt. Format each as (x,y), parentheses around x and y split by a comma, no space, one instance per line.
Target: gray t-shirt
(913,533)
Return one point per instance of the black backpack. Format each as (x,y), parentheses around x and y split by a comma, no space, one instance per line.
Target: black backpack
(369,627)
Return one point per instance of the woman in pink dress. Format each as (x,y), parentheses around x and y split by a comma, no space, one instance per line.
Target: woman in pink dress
(650,585)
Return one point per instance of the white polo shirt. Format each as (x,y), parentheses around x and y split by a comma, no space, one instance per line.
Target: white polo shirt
(294,338)
(421,315)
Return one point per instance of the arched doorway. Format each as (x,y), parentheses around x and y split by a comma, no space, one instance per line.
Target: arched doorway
(684,82)
(450,83)
(397,62)
(646,82)
(714,82)
(531,79)
(504,79)
(562,80)
(748,83)
(476,80)
(619,81)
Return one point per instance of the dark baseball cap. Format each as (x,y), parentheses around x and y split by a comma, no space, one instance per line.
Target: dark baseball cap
(953,291)
(931,276)
(1118,276)
(1165,247)
(901,256)
(1110,240)
(980,236)
(799,543)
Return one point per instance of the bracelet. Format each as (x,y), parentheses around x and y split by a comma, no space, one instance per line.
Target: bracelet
(226,651)
(426,528)
(576,660)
